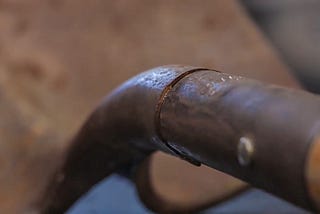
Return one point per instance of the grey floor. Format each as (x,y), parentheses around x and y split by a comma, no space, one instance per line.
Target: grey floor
(117,195)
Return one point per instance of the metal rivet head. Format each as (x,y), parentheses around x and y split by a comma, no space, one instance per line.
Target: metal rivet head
(245,151)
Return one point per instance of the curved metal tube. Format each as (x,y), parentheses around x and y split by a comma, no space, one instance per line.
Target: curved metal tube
(256,132)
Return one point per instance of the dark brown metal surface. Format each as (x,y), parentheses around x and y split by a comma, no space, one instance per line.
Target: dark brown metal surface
(207,113)
(120,132)
(58,58)
(202,115)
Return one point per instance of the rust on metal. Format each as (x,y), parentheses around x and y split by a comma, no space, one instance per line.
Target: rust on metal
(78,69)
(201,114)
(162,98)
(207,124)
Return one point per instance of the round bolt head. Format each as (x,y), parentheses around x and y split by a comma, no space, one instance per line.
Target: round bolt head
(245,151)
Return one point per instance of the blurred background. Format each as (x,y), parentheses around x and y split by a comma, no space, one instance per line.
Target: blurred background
(58,58)
(293,27)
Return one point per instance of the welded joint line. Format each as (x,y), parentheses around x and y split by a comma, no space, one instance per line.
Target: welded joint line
(160,103)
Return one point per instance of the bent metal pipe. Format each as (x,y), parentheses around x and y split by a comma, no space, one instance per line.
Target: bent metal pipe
(263,134)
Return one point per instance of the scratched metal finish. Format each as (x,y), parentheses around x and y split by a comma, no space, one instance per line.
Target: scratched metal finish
(114,136)
(207,113)
(203,115)
(58,58)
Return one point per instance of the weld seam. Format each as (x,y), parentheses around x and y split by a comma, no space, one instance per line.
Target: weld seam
(161,102)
